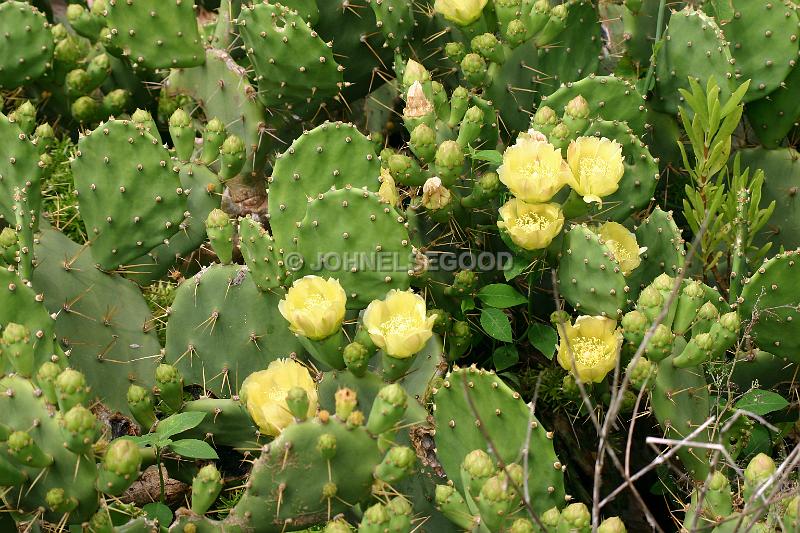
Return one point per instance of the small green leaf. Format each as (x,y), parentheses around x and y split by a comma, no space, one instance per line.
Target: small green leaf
(467,304)
(178,423)
(505,356)
(150,439)
(544,338)
(501,296)
(158,511)
(194,449)
(761,402)
(496,324)
(492,156)
(514,268)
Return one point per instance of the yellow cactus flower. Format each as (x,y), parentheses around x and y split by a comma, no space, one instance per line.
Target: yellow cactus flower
(388,190)
(462,12)
(594,342)
(399,324)
(531,226)
(533,170)
(264,394)
(622,244)
(597,166)
(314,307)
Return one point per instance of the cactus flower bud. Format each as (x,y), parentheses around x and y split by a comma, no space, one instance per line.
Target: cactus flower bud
(612,525)
(634,326)
(435,196)
(545,116)
(400,513)
(516,33)
(9,245)
(24,450)
(374,520)
(531,226)
(220,233)
(79,428)
(120,466)
(71,389)
(576,516)
(264,394)
(415,73)
(25,117)
(397,464)
(660,345)
(232,152)
(314,307)
(640,373)
(650,302)
(337,526)
(142,118)
(521,525)
(85,109)
(622,243)
(455,51)
(44,136)
(326,445)
(356,357)
(206,486)
(140,403)
(388,190)
(355,419)
(551,517)
(578,107)
(297,402)
(478,467)
(452,505)
(46,380)
(17,346)
(423,142)
(56,498)
(346,401)
(449,162)
(758,471)
(387,409)
(593,343)
(471,126)
(459,101)
(182,133)
(489,47)
(462,12)
(597,166)
(116,101)
(170,386)
(213,137)
(474,68)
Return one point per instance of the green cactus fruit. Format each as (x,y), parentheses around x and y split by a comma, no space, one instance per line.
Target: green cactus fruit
(206,486)
(560,136)
(642,373)
(575,518)
(9,245)
(725,332)
(634,326)
(24,116)
(554,26)
(59,501)
(337,526)
(474,69)
(22,448)
(650,303)
(46,380)
(134,29)
(79,428)
(697,351)
(706,317)
(170,386)
(405,170)
(232,155)
(140,402)
(544,120)
(455,51)
(356,358)
(576,115)
(449,162)
(220,233)
(120,467)
(495,501)
(86,110)
(451,504)
(414,72)
(214,135)
(397,464)
(18,348)
(612,524)
(116,102)
(488,46)
(423,143)
(84,21)
(661,344)
(182,133)
(470,128)
(759,471)
(71,389)
(476,469)
(297,401)
(375,519)
(516,33)
(692,297)
(459,103)
(44,137)
(551,517)
(388,409)
(400,513)
(521,525)
(664,284)
(27,47)
(263,258)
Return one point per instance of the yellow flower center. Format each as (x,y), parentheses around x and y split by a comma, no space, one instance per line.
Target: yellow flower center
(537,170)
(593,167)
(620,252)
(531,222)
(589,351)
(400,325)
(316,302)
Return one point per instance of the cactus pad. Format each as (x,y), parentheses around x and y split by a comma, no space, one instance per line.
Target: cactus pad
(26,46)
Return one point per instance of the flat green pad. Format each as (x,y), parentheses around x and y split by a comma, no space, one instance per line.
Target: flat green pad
(772,305)
(332,155)
(494,409)
(782,185)
(222,328)
(156,33)
(776,114)
(19,168)
(26,44)
(131,198)
(352,235)
(25,409)
(693,46)
(609,98)
(102,319)
(589,278)
(292,63)
(22,305)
